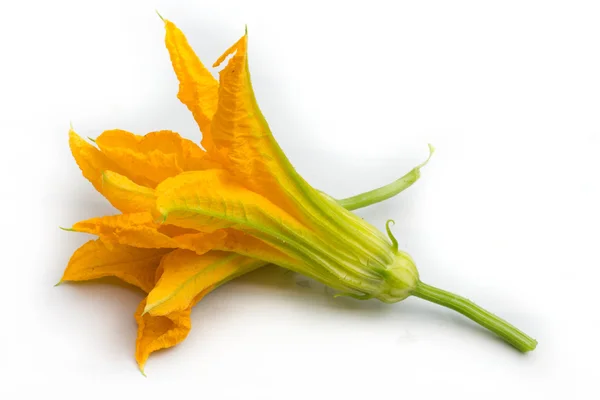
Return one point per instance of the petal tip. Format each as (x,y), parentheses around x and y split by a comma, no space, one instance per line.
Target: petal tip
(161,216)
(147,309)
(236,49)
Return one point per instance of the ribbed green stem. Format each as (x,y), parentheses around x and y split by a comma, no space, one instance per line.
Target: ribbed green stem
(506,331)
(385,192)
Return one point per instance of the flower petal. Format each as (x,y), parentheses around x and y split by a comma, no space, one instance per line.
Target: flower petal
(150,159)
(185,275)
(90,160)
(159,332)
(200,199)
(198,89)
(140,230)
(126,195)
(95,259)
(243,138)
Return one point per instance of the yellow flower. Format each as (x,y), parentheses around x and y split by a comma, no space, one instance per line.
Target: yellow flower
(173,264)
(193,219)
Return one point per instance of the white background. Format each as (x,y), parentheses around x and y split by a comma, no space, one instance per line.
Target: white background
(506,213)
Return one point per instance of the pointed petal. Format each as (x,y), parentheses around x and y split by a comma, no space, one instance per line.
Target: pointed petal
(243,138)
(154,157)
(198,89)
(251,154)
(126,195)
(140,230)
(185,275)
(90,160)
(159,332)
(96,259)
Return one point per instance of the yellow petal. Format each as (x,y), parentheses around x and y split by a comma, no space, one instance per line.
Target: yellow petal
(198,89)
(243,138)
(126,195)
(249,151)
(96,259)
(185,275)
(140,230)
(90,160)
(159,332)
(152,158)
(162,331)
(201,199)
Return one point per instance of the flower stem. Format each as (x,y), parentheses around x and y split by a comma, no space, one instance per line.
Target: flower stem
(506,331)
(387,191)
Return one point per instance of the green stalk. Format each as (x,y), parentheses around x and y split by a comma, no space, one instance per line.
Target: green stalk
(500,327)
(387,191)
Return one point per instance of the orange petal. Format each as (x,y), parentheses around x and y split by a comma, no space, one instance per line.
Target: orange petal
(198,89)
(96,259)
(140,230)
(152,158)
(159,332)
(185,275)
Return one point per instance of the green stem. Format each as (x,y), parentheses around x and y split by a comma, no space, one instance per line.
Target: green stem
(506,331)
(385,192)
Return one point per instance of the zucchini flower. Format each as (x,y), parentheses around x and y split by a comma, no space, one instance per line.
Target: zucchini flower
(173,264)
(192,219)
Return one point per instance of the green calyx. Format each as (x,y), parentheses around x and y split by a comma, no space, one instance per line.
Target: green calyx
(402,279)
